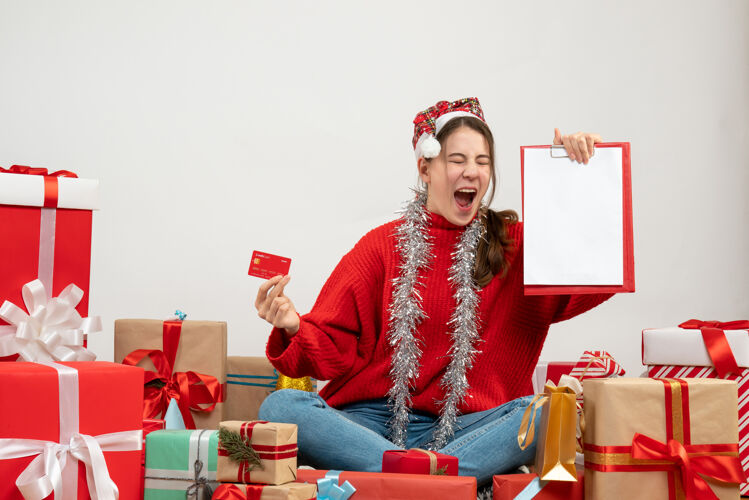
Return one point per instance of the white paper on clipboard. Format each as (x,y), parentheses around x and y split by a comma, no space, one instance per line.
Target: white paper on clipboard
(572,218)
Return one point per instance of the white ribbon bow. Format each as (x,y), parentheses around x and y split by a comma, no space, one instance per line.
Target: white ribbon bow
(44,474)
(52,330)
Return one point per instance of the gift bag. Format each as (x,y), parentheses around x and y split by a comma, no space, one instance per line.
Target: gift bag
(555,449)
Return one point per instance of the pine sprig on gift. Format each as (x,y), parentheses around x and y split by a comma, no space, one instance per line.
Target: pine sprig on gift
(442,471)
(239,450)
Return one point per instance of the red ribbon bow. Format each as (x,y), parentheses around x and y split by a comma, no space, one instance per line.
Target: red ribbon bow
(23,169)
(190,389)
(50,180)
(238,492)
(722,468)
(714,337)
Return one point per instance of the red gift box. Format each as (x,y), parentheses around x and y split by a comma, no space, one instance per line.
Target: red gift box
(550,371)
(93,406)
(417,461)
(46,232)
(378,485)
(509,486)
(149,425)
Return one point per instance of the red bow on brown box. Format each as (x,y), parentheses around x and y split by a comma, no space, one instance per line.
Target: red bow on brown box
(189,388)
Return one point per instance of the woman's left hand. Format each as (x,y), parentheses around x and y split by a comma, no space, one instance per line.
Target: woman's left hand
(580,145)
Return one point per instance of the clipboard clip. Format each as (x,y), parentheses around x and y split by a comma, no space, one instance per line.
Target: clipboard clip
(558,148)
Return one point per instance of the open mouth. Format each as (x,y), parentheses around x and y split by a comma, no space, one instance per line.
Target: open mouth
(464,198)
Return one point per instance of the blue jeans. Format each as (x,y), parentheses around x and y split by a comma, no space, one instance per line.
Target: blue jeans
(353,438)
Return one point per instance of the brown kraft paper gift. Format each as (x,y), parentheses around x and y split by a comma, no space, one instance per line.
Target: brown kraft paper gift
(249,380)
(273,444)
(202,349)
(696,417)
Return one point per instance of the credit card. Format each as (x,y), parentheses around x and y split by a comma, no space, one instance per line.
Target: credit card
(266,265)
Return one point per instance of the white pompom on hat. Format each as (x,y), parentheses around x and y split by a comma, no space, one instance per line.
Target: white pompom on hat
(429,122)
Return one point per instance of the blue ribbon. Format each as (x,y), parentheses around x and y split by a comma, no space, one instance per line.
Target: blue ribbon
(180,315)
(271,384)
(328,489)
(531,490)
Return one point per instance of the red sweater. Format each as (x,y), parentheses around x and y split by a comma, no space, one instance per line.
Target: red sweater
(343,339)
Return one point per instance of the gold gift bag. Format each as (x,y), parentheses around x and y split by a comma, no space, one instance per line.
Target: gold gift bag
(555,449)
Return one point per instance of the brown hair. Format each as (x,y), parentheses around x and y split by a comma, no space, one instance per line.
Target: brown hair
(491,255)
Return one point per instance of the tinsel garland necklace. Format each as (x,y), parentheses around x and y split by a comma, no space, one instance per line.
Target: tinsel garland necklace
(415,249)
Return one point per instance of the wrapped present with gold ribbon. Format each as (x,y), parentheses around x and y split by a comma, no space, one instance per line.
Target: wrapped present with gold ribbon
(419,461)
(704,349)
(256,452)
(661,438)
(290,491)
(558,430)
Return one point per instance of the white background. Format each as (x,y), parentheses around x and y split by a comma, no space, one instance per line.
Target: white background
(221,127)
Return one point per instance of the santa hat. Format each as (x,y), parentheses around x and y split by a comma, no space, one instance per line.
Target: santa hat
(429,122)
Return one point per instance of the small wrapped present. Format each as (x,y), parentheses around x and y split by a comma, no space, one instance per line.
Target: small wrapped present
(249,380)
(257,452)
(418,461)
(289,491)
(184,360)
(551,371)
(596,364)
(692,349)
(46,221)
(592,364)
(379,485)
(61,416)
(527,486)
(557,439)
(181,464)
(665,438)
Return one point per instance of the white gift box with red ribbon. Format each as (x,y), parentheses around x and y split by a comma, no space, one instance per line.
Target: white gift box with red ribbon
(29,190)
(686,347)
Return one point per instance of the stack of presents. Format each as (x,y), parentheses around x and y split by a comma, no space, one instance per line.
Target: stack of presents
(174,418)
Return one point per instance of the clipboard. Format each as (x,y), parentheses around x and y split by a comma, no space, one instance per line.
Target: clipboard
(577,219)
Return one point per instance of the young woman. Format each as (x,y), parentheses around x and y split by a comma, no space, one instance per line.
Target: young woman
(423,329)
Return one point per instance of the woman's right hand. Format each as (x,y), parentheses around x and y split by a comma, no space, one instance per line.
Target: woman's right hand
(275,307)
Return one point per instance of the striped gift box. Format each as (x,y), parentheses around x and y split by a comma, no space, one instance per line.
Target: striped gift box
(673,371)
(596,364)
